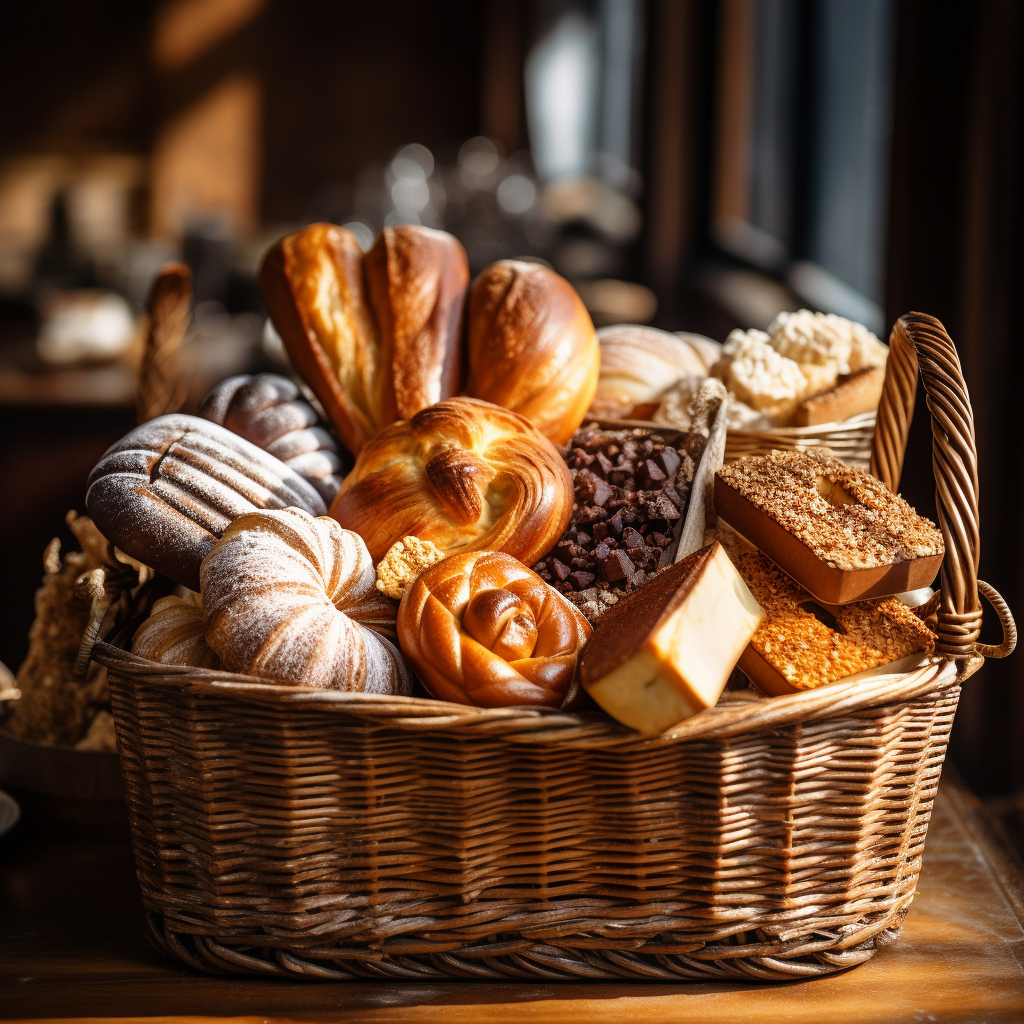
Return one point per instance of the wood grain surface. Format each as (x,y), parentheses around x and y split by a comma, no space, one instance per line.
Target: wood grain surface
(71,948)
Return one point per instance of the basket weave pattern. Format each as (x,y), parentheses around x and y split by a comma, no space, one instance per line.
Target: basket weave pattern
(850,440)
(319,834)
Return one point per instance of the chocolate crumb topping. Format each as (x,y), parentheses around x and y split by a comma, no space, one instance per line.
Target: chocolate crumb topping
(631,489)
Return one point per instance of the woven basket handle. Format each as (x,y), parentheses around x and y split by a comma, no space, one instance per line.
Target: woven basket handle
(920,342)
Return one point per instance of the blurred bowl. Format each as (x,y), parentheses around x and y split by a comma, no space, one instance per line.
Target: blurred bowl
(59,771)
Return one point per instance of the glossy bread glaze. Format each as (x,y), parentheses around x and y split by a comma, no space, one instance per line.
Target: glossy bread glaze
(378,337)
(480,628)
(463,474)
(532,346)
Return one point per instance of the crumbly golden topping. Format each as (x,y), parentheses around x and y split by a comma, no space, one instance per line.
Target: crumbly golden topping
(824,339)
(760,377)
(805,651)
(405,560)
(844,515)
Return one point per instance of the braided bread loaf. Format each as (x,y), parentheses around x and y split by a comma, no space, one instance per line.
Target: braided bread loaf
(463,474)
(480,628)
(292,598)
(174,634)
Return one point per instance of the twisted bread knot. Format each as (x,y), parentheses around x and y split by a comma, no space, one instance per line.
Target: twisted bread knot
(480,628)
(292,598)
(463,474)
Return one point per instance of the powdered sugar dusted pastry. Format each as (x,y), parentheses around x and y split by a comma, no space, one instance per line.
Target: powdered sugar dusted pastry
(166,491)
(292,598)
(269,411)
(174,634)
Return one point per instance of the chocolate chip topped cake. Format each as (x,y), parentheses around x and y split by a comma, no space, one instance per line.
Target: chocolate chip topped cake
(631,489)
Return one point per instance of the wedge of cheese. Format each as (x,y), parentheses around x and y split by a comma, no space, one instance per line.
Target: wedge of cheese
(666,651)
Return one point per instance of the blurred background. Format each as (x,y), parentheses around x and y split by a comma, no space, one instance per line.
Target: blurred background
(694,164)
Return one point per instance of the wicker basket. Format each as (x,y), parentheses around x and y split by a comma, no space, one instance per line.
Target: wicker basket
(850,440)
(311,834)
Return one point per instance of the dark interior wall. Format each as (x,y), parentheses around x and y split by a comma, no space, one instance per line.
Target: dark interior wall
(348,83)
(343,83)
(75,75)
(956,248)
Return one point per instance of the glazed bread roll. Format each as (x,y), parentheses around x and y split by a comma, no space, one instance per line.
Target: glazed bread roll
(417,278)
(532,346)
(269,411)
(174,634)
(464,475)
(292,598)
(166,491)
(637,365)
(480,628)
(378,337)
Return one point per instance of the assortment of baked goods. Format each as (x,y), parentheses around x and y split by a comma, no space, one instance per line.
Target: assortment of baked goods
(380,337)
(807,369)
(485,544)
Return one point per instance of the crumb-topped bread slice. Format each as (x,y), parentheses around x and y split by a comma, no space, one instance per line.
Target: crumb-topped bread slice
(844,515)
(801,645)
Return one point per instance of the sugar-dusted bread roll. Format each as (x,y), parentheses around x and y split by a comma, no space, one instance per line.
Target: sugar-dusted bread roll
(463,474)
(480,628)
(292,598)
(174,634)
(269,411)
(378,337)
(638,364)
(167,490)
(532,346)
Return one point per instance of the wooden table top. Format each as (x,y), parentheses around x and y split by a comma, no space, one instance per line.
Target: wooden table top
(71,948)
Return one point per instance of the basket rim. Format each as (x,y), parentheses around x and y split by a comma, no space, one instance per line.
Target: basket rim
(732,717)
(862,421)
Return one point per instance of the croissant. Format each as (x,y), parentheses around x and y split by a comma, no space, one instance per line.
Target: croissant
(292,598)
(174,634)
(480,628)
(269,411)
(532,346)
(464,475)
(637,365)
(378,337)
